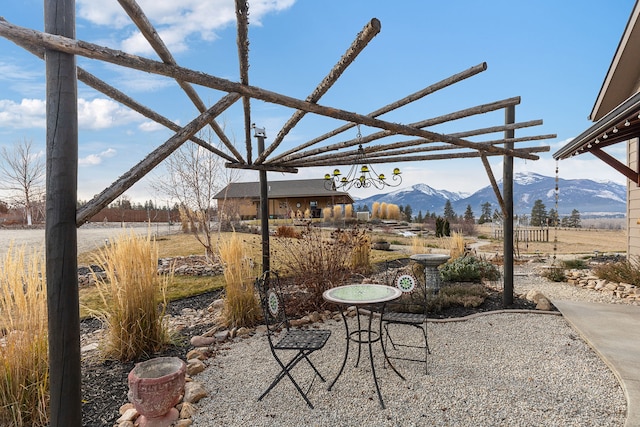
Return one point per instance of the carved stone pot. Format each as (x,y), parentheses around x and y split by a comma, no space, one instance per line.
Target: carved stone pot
(155,387)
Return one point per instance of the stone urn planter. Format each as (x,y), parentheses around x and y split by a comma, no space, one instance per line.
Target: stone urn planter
(381,246)
(155,387)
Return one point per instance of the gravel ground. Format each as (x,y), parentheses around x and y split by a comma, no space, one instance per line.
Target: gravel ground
(495,370)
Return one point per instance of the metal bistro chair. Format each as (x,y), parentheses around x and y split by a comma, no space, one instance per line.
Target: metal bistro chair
(410,310)
(281,337)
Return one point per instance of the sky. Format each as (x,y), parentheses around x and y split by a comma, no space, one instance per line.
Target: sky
(550,53)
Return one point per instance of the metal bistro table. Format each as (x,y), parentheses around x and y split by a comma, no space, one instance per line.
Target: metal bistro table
(373,297)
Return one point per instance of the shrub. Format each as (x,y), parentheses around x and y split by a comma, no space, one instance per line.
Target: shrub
(287,231)
(24,357)
(240,304)
(555,274)
(134,298)
(319,260)
(626,271)
(469,269)
(578,264)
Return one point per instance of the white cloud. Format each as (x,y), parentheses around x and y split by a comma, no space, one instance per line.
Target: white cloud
(101,113)
(176,22)
(150,126)
(96,159)
(29,113)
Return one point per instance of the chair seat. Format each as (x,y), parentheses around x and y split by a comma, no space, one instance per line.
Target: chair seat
(299,339)
(406,318)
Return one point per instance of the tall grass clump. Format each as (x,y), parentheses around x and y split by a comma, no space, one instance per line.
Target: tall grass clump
(456,245)
(626,271)
(419,246)
(134,297)
(327,213)
(24,356)
(240,303)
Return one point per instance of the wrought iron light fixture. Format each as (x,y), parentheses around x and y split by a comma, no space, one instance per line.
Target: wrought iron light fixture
(361,175)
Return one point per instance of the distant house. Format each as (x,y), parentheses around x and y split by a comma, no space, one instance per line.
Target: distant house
(616,117)
(285,198)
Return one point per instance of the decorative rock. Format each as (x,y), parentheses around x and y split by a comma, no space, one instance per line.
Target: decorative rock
(126,424)
(200,341)
(243,331)
(187,410)
(262,329)
(197,353)
(195,366)
(221,336)
(216,305)
(89,347)
(193,392)
(129,415)
(124,408)
(183,423)
(543,304)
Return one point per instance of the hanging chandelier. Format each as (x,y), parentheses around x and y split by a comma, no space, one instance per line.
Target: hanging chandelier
(361,175)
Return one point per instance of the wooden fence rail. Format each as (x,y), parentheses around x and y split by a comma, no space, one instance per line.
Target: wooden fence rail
(525,234)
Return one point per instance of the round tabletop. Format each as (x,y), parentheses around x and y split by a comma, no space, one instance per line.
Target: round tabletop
(362,293)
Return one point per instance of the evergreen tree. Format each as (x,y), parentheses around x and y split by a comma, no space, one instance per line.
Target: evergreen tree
(553,218)
(538,214)
(485,216)
(574,219)
(468,215)
(449,214)
(408,212)
(419,218)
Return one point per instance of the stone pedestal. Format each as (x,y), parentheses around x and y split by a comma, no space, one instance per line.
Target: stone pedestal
(431,262)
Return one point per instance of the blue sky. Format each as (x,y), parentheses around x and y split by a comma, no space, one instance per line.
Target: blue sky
(553,54)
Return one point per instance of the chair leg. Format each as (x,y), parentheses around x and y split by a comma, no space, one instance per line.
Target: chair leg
(285,371)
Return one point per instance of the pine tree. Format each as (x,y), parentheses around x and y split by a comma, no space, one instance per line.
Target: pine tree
(538,214)
(408,212)
(449,214)
(485,216)
(468,215)
(574,219)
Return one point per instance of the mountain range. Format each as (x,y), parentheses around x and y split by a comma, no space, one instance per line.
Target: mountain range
(590,198)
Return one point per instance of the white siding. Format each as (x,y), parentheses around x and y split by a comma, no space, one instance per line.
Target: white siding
(633,203)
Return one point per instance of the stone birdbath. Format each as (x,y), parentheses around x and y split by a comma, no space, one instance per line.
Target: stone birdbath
(431,262)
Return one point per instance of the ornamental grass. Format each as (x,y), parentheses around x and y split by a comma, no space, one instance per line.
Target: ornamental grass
(24,357)
(134,297)
(240,304)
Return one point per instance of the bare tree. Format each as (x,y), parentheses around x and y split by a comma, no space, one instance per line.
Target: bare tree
(22,173)
(194,176)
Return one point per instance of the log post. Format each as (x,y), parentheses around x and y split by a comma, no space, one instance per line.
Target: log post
(61,234)
(507,190)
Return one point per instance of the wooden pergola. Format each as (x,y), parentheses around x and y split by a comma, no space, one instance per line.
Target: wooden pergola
(402,143)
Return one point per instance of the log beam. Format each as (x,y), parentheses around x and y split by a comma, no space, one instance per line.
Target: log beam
(93,51)
(393,106)
(152,160)
(139,18)
(362,40)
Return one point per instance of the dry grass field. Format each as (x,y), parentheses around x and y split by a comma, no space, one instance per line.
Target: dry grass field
(566,241)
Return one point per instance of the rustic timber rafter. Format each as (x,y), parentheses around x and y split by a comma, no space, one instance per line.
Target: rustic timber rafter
(62,296)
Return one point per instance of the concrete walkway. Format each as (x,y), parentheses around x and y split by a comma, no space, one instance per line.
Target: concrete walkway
(613,331)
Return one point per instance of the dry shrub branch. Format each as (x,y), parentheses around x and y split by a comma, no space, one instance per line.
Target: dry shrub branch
(320,260)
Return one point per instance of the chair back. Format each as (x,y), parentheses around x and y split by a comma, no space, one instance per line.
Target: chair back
(411,281)
(272,302)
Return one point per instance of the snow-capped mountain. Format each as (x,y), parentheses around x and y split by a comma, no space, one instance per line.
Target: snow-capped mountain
(589,197)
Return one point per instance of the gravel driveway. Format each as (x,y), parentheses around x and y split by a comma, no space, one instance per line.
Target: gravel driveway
(90,236)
